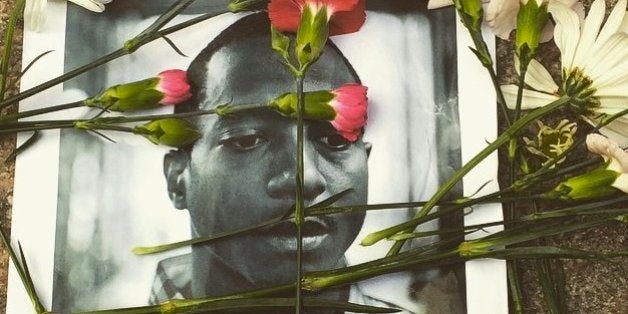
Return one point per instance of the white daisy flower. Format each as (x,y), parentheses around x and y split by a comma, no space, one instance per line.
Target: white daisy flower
(35,11)
(594,67)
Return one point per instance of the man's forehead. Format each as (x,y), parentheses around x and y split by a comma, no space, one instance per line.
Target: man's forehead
(249,71)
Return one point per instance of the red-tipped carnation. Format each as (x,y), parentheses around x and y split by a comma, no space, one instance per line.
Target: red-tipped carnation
(167,88)
(343,16)
(350,105)
(345,108)
(174,85)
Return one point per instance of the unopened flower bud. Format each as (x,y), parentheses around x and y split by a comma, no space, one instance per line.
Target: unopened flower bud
(531,20)
(471,13)
(603,181)
(345,108)
(168,88)
(170,132)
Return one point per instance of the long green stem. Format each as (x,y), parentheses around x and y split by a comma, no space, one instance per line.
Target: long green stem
(129,47)
(486,59)
(454,179)
(24,276)
(513,151)
(299,208)
(57,124)
(35,112)
(8,45)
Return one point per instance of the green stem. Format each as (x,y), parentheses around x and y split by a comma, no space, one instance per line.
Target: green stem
(516,295)
(129,47)
(8,45)
(55,124)
(487,61)
(299,208)
(512,271)
(24,277)
(454,179)
(35,112)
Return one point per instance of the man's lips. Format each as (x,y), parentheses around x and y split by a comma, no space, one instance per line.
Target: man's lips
(283,235)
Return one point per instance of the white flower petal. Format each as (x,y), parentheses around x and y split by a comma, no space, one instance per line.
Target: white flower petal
(435,4)
(613,102)
(92,5)
(589,31)
(566,31)
(624,24)
(618,87)
(501,16)
(35,14)
(616,130)
(613,23)
(608,57)
(538,77)
(531,99)
(621,182)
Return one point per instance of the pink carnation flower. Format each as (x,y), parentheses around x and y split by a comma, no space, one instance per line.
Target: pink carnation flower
(350,104)
(174,85)
(345,108)
(343,16)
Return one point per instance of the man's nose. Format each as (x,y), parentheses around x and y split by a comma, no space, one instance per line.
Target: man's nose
(283,183)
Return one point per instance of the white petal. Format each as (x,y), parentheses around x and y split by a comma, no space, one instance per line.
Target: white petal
(616,130)
(435,4)
(613,23)
(613,102)
(35,14)
(531,99)
(538,77)
(609,56)
(617,88)
(92,5)
(566,32)
(589,32)
(621,183)
(501,16)
(624,24)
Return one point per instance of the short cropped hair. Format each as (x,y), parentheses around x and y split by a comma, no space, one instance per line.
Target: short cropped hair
(255,25)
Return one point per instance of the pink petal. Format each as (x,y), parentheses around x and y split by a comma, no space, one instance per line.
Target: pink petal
(346,22)
(174,85)
(338,5)
(285,15)
(350,105)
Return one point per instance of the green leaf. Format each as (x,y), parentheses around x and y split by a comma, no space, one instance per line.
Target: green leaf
(28,143)
(22,272)
(16,13)
(280,43)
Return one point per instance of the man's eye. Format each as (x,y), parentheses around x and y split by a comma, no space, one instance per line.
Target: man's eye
(243,142)
(335,141)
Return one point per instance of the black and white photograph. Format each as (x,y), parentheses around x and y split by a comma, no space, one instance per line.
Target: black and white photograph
(114,191)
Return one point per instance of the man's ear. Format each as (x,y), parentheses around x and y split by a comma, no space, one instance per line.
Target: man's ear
(368,146)
(175,166)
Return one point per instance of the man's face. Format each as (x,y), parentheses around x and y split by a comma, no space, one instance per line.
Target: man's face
(242,172)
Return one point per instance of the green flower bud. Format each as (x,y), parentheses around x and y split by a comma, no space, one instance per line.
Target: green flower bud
(170,132)
(471,13)
(531,20)
(312,35)
(595,184)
